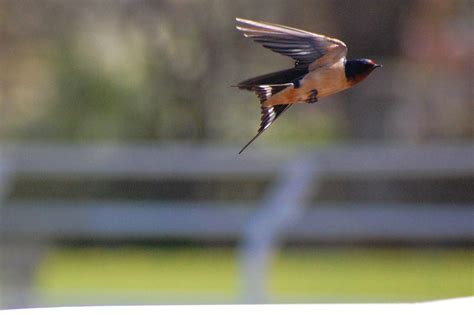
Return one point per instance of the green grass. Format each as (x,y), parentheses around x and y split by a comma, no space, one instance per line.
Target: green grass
(382,275)
(147,274)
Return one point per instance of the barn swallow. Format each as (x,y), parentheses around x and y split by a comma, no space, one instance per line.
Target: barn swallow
(320,70)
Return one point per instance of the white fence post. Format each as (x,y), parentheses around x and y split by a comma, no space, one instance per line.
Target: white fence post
(283,205)
(4,184)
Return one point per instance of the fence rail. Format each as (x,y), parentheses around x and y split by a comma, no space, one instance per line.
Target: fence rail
(145,161)
(327,222)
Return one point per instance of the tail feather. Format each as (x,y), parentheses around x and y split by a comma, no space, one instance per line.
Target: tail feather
(267,85)
(269,115)
(264,92)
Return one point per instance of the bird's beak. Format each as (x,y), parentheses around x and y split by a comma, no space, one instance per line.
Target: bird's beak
(378,66)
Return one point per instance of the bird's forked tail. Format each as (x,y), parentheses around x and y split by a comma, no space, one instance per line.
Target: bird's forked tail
(269,115)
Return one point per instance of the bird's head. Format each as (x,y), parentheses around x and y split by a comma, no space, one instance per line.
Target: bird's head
(358,69)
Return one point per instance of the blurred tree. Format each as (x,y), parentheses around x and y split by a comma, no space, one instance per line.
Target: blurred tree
(162,70)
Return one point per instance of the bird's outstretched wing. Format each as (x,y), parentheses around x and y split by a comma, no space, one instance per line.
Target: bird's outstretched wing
(308,49)
(269,115)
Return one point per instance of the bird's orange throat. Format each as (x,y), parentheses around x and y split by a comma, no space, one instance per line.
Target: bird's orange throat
(358,77)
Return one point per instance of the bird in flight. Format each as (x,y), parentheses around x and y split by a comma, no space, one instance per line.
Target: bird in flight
(320,70)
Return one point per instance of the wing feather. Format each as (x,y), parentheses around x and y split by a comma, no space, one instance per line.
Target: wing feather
(307,49)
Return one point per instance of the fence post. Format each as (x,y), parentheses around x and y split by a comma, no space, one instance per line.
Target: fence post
(4,184)
(284,203)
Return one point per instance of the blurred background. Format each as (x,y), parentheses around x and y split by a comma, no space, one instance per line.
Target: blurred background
(120,181)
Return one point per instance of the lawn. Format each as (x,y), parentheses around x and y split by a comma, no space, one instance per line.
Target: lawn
(185,275)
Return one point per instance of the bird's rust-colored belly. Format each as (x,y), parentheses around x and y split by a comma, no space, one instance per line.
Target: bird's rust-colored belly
(326,81)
